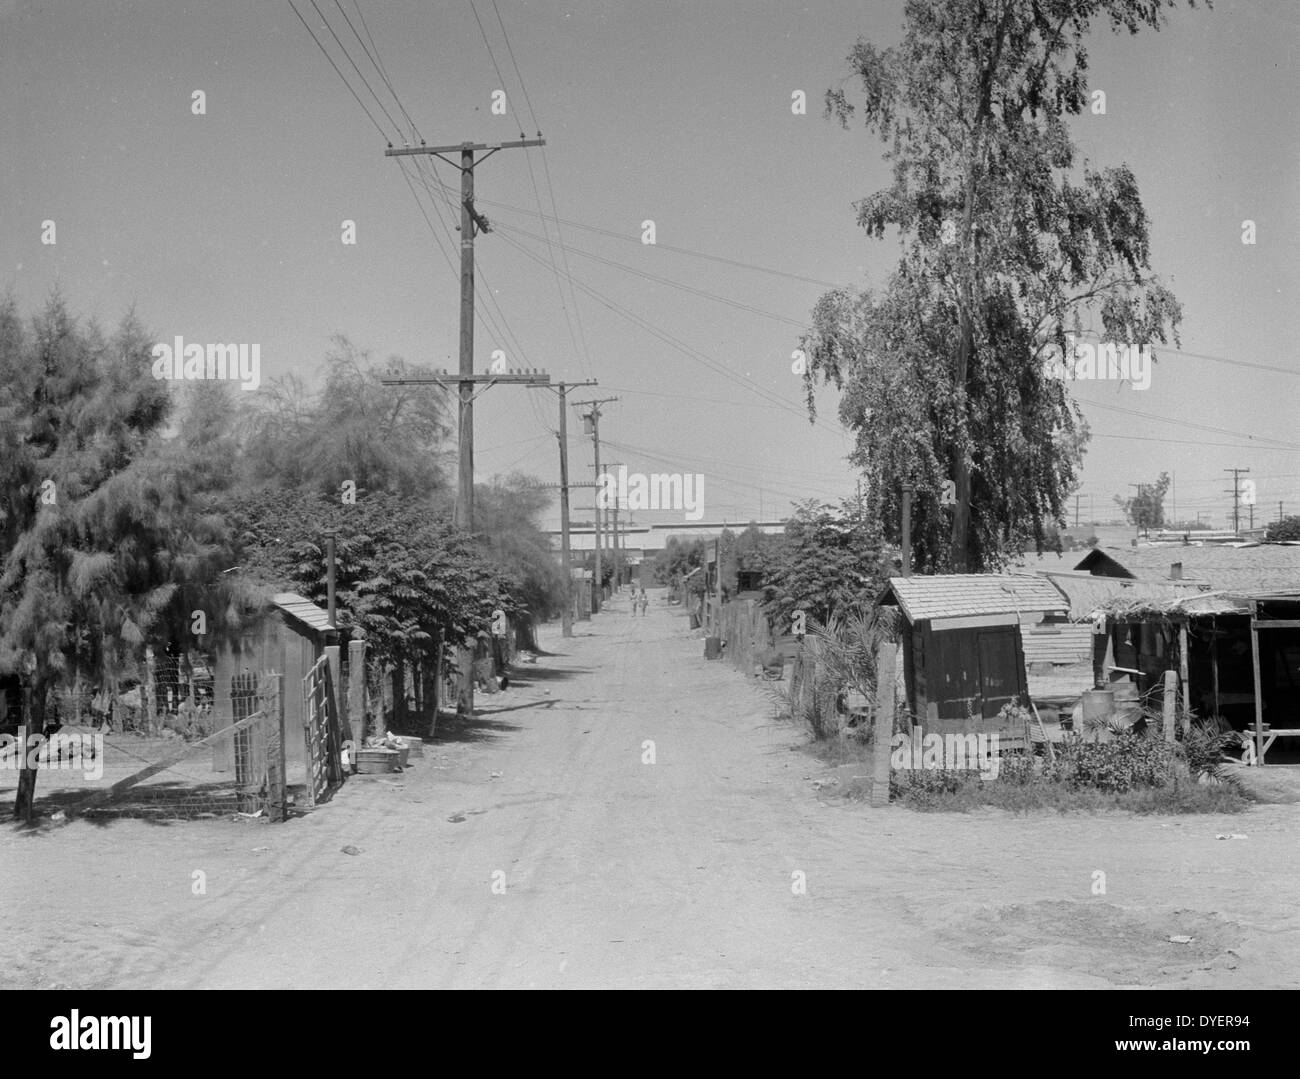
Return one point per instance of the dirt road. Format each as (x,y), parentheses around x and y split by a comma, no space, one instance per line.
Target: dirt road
(584,865)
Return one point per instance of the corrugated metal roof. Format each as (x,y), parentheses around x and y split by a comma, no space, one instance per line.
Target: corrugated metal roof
(953,595)
(303,610)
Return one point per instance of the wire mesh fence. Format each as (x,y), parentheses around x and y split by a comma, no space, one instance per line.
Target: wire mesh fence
(169,691)
(236,768)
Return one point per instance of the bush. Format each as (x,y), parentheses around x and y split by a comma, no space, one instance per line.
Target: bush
(1135,772)
(926,788)
(1203,746)
(1131,760)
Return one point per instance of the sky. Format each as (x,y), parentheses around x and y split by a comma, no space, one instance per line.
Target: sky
(227,226)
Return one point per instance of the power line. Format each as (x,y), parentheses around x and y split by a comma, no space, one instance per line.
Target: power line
(583,351)
(340,74)
(550,185)
(374,58)
(365,82)
(668,281)
(1255,441)
(679,345)
(675,249)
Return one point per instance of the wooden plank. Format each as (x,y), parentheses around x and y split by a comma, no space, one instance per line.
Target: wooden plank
(883,730)
(1182,674)
(1051,753)
(1261,748)
(1169,704)
(1275,623)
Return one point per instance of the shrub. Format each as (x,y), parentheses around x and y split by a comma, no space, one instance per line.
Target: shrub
(1131,760)
(1017,771)
(1203,746)
(925,788)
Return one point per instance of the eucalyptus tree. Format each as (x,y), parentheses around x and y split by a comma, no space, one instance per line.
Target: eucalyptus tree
(1010,250)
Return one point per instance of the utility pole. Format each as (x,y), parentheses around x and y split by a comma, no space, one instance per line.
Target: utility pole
(1076,510)
(618,554)
(1236,496)
(1279,512)
(471,222)
(465,488)
(566,612)
(593,418)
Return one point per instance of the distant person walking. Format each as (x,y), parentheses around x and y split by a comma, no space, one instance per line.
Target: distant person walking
(642,601)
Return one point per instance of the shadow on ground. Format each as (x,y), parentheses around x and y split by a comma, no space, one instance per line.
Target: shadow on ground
(525,676)
(481,727)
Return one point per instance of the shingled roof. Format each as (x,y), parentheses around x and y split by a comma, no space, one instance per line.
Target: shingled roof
(955,595)
(301,608)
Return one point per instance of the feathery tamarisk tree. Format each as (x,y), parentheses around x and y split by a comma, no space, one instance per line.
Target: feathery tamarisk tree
(100,542)
(1008,247)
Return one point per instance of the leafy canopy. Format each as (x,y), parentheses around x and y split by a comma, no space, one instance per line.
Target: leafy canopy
(1008,246)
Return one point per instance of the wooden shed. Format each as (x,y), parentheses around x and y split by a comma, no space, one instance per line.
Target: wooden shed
(963,650)
(291,640)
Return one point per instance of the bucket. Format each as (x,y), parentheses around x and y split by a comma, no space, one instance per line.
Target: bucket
(1098,706)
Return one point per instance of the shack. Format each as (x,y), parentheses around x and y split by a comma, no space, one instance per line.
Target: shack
(963,649)
(293,637)
(1237,655)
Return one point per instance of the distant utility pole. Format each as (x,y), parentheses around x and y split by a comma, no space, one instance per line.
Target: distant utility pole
(1279,511)
(593,418)
(1236,496)
(1076,510)
(471,221)
(465,486)
(618,554)
(566,612)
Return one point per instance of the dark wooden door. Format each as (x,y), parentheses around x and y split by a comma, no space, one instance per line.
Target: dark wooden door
(999,668)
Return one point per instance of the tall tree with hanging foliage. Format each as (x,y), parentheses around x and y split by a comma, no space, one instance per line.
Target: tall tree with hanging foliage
(1009,248)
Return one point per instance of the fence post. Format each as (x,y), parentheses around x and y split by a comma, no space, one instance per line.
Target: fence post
(1170,704)
(883,729)
(357,691)
(272,693)
(148,691)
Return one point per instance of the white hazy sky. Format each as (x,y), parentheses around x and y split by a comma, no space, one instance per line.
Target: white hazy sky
(226,226)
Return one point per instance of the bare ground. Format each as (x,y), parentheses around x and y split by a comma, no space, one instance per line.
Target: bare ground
(619,873)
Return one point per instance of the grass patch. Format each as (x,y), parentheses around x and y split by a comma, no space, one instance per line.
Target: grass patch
(1034,789)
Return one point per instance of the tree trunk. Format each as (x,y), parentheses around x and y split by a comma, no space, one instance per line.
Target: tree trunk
(465,657)
(25,802)
(399,696)
(961,463)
